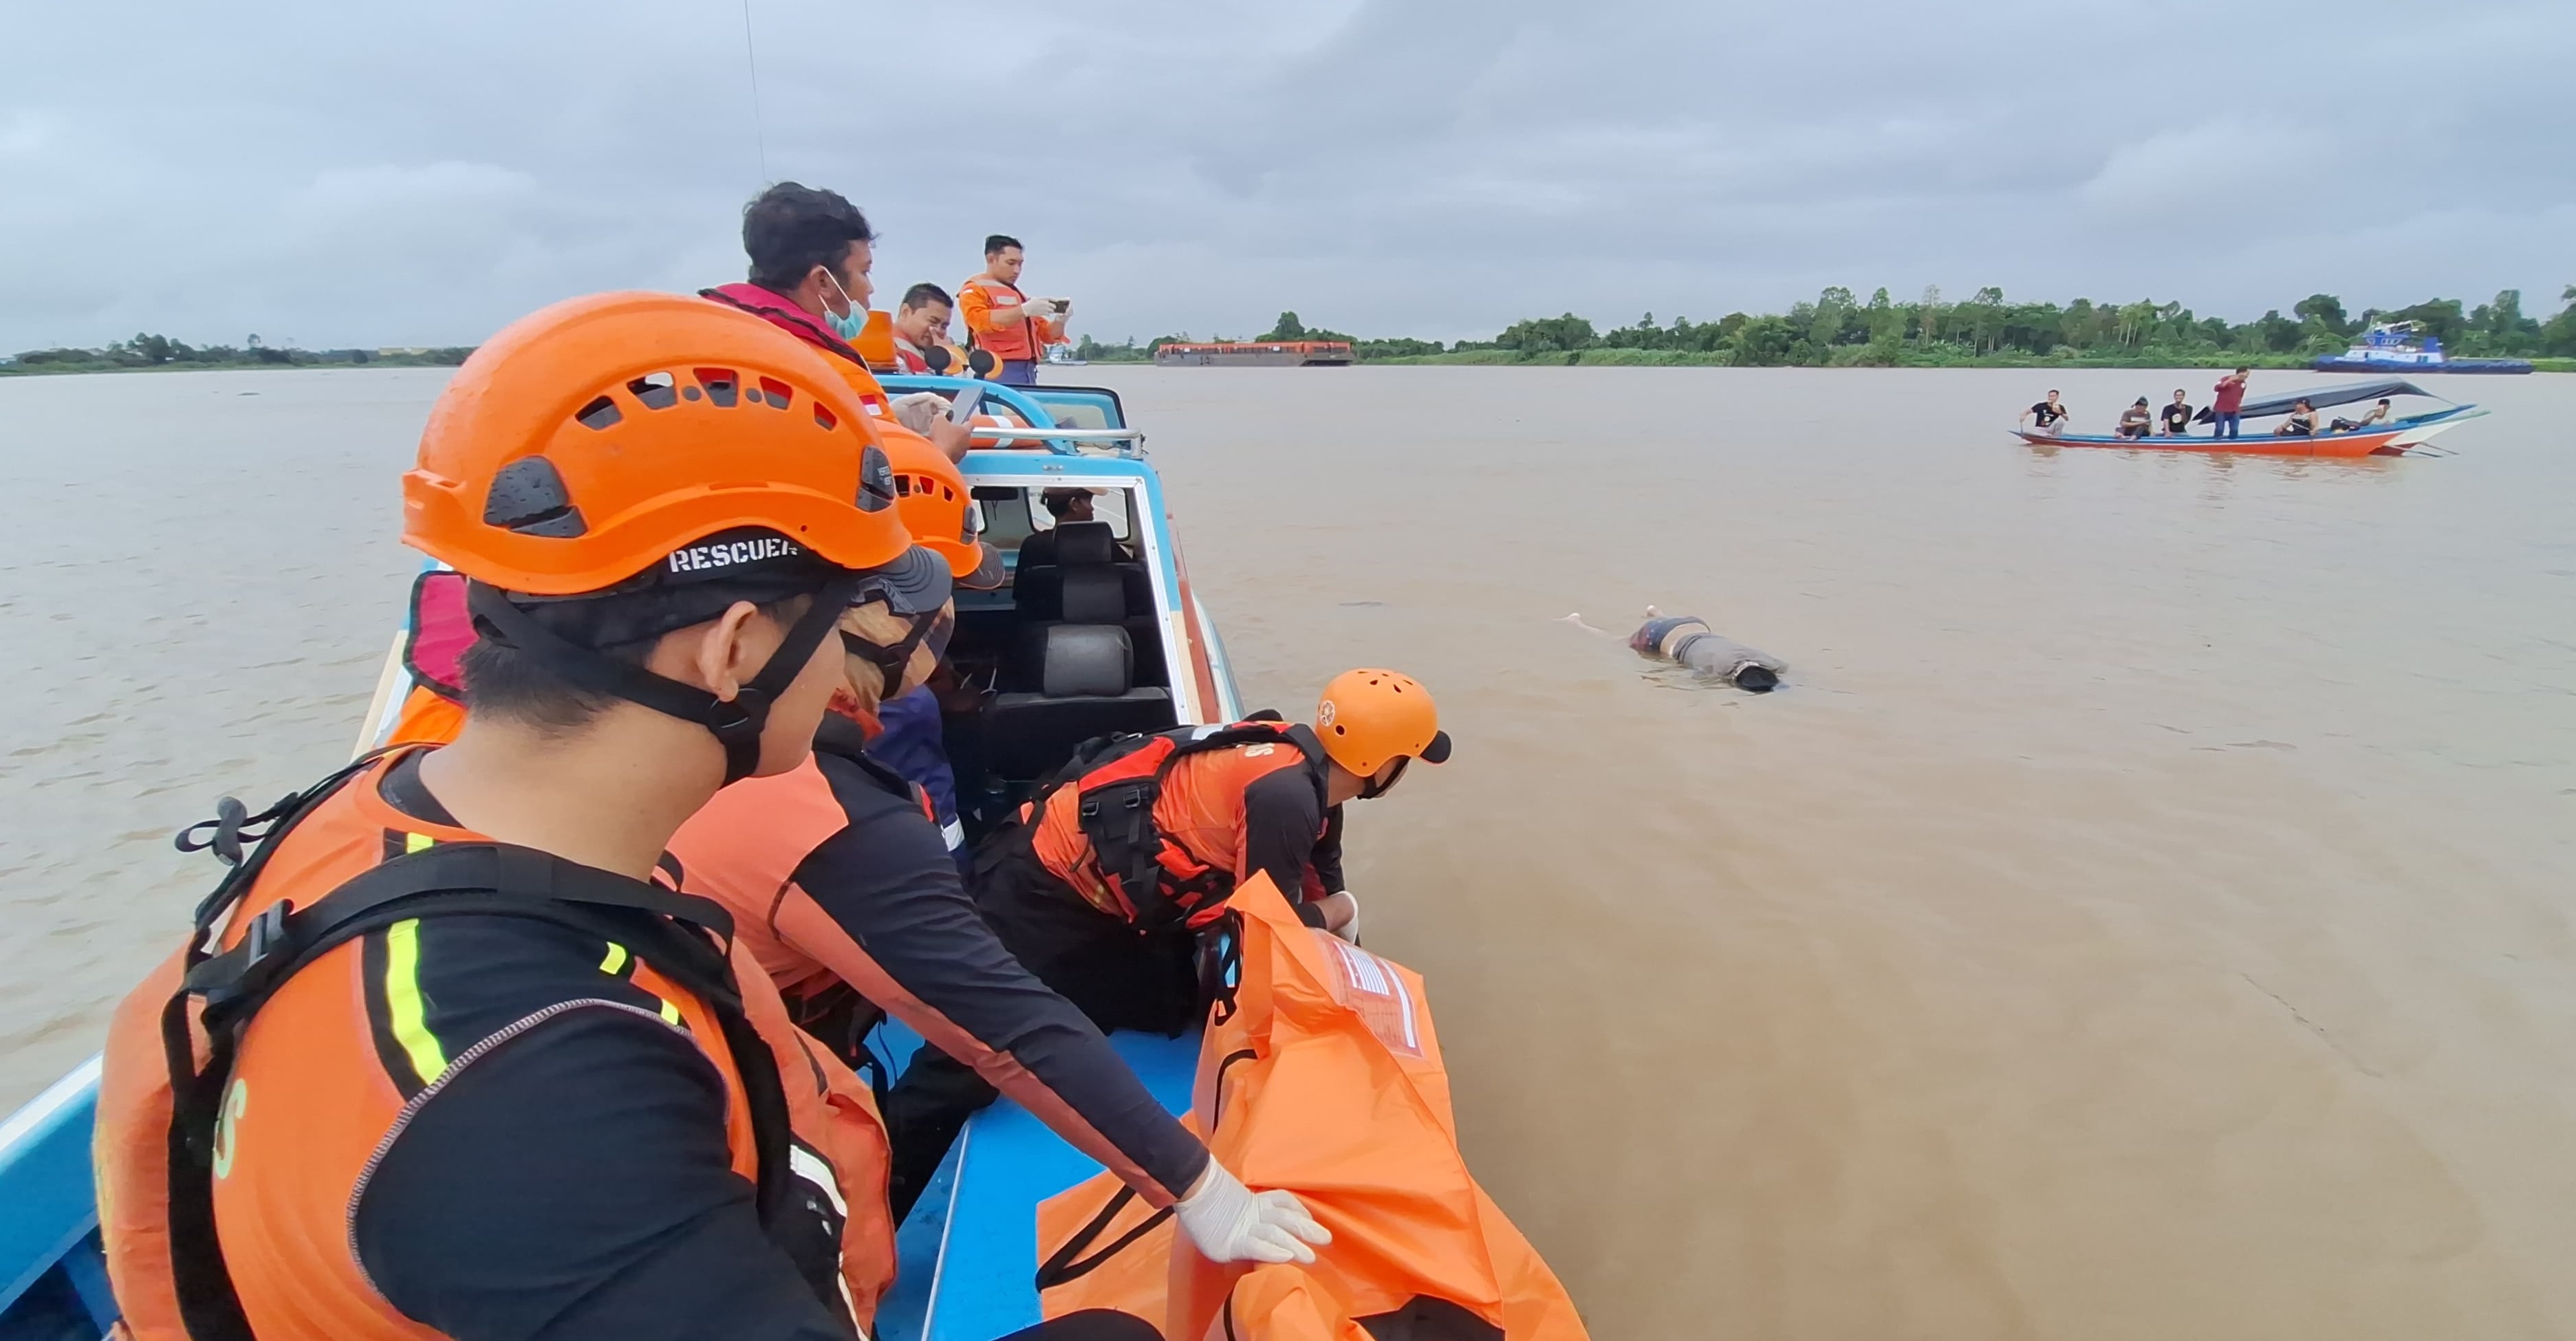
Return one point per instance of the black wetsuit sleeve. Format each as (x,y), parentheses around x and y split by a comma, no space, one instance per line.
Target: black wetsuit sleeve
(1281,818)
(888,882)
(575,1182)
(1328,853)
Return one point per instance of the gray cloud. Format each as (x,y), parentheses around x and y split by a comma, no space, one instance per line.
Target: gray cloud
(342,175)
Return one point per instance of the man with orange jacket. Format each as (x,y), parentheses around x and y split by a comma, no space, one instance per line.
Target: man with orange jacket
(1004,322)
(504,1080)
(1104,883)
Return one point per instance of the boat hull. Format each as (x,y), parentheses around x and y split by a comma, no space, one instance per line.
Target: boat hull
(2386,442)
(2347,364)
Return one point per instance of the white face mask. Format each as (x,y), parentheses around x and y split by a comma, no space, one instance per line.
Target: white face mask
(846,325)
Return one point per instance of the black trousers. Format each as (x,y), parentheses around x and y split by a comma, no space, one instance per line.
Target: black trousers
(1120,977)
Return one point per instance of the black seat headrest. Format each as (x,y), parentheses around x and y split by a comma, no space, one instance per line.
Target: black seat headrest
(1087,660)
(1085,542)
(1092,595)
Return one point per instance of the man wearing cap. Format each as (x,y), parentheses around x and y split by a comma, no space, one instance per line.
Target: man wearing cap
(1070,503)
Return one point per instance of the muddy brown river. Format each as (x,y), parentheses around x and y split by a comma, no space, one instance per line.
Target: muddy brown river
(2144,914)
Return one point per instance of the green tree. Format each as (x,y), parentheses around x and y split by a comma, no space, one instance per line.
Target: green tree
(1288,327)
(1548,335)
(2326,310)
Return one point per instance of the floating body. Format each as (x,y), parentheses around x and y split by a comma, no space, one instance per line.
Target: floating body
(1685,640)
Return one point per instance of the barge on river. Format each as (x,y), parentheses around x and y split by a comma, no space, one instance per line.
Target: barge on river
(1257,354)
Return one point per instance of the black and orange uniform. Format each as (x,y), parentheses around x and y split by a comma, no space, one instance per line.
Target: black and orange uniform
(1117,937)
(527,1104)
(844,891)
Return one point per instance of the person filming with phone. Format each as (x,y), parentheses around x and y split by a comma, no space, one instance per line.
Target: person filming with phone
(1004,322)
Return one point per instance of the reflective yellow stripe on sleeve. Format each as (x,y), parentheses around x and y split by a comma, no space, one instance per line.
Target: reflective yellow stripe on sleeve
(616,958)
(403,1003)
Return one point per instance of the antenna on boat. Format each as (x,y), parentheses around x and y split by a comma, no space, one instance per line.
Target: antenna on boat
(751,58)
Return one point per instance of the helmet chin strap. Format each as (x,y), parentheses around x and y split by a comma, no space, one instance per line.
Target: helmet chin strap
(736,722)
(893,660)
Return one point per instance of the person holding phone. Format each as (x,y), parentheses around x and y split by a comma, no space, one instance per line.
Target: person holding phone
(1003,321)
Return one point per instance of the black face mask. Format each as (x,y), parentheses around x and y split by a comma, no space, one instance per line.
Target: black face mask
(932,630)
(1376,787)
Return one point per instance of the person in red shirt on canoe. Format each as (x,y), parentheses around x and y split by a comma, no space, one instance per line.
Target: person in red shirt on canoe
(2223,416)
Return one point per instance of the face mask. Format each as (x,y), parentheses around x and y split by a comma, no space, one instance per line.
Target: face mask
(1376,787)
(847,327)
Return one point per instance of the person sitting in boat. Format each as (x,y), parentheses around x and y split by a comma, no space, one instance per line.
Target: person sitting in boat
(549,1093)
(2136,420)
(921,325)
(842,887)
(2302,422)
(2378,415)
(2046,415)
(1104,882)
(2177,417)
(811,251)
(1071,503)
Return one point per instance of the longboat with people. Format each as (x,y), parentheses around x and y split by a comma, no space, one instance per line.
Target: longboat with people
(1310,1032)
(2392,435)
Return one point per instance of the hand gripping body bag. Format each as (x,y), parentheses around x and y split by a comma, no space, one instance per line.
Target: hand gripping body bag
(1319,1074)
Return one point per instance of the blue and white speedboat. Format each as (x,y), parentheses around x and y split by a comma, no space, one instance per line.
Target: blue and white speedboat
(966,1251)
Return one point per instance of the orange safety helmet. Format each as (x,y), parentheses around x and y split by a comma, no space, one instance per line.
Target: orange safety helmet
(594,438)
(1370,718)
(633,434)
(932,498)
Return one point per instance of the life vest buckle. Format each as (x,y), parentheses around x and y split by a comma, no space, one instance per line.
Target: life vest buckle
(267,933)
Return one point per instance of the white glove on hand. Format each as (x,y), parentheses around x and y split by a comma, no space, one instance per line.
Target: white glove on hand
(1349,930)
(1231,1223)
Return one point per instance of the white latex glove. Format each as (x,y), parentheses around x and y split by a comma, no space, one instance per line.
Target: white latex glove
(1349,930)
(1231,1223)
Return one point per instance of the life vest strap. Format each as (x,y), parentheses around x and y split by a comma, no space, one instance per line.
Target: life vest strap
(444,880)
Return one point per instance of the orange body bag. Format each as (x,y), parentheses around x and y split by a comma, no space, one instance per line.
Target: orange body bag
(1323,1078)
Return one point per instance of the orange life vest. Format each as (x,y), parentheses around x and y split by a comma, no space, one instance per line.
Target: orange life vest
(428,717)
(1150,828)
(1320,1075)
(976,299)
(275,1128)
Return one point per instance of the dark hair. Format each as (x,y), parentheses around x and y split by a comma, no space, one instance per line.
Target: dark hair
(993,245)
(501,680)
(2246,370)
(923,295)
(2383,400)
(789,229)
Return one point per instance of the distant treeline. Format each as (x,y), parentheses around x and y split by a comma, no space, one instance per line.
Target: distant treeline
(160,351)
(1839,330)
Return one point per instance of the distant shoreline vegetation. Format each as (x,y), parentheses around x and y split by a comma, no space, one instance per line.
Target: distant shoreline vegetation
(1838,330)
(160,353)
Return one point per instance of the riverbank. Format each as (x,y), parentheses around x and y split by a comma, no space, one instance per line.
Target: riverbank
(438,358)
(1862,356)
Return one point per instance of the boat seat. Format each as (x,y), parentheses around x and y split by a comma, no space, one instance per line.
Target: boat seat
(1077,572)
(1085,676)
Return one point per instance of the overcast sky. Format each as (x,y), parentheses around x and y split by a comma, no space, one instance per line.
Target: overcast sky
(419,174)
